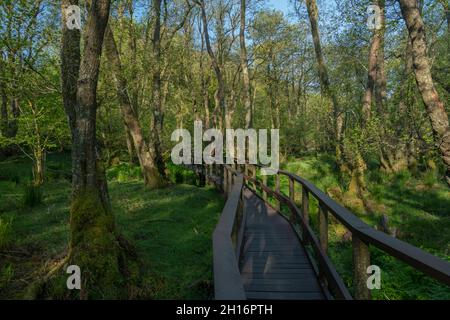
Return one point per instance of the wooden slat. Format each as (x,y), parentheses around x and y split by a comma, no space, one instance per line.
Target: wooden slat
(273,259)
(298,275)
(252,295)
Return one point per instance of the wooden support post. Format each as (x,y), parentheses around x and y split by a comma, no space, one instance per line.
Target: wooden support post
(264,177)
(305,204)
(292,197)
(254,176)
(225,180)
(292,190)
(361,261)
(323,228)
(277,189)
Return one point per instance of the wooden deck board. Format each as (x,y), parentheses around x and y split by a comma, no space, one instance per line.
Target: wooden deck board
(273,263)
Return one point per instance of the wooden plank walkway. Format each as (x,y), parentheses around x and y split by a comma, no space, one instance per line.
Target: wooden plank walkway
(273,263)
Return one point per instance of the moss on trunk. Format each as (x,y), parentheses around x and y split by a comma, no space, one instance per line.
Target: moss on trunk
(108,263)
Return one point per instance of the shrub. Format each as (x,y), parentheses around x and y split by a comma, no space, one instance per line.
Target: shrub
(5,233)
(123,172)
(32,195)
(402,177)
(378,176)
(429,178)
(6,276)
(179,174)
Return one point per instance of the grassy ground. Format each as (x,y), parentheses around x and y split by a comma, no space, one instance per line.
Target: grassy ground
(171,229)
(418,209)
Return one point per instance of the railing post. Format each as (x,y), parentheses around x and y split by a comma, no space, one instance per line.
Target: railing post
(292,197)
(264,177)
(323,228)
(277,189)
(225,180)
(361,261)
(230,181)
(305,204)
(254,176)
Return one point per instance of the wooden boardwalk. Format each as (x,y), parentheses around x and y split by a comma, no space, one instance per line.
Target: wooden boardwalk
(261,257)
(273,262)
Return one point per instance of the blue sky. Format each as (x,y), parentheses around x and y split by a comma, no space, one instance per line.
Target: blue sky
(282,5)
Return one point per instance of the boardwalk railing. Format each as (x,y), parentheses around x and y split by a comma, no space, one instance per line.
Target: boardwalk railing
(229,233)
(227,240)
(363,235)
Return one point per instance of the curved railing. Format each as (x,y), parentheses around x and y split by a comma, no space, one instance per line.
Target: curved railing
(363,235)
(227,240)
(228,235)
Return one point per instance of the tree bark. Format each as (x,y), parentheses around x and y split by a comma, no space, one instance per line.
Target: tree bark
(95,246)
(3,111)
(158,114)
(376,83)
(324,79)
(152,178)
(220,93)
(434,105)
(245,70)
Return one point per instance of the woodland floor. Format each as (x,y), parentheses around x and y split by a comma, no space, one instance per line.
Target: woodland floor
(171,228)
(418,207)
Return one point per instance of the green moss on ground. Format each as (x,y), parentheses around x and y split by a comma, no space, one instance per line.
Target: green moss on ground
(171,230)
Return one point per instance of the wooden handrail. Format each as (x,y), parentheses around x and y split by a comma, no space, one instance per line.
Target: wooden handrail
(415,257)
(419,259)
(228,283)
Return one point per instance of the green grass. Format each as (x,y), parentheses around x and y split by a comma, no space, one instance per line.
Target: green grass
(419,208)
(171,228)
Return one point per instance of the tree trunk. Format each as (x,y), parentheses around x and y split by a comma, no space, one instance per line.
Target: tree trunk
(13,126)
(152,178)
(39,167)
(158,115)
(220,94)
(434,105)
(245,71)
(375,82)
(130,146)
(204,82)
(3,111)
(95,246)
(324,79)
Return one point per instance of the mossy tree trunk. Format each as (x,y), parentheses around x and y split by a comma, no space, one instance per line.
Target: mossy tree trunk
(220,108)
(95,246)
(434,105)
(152,177)
(325,86)
(158,113)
